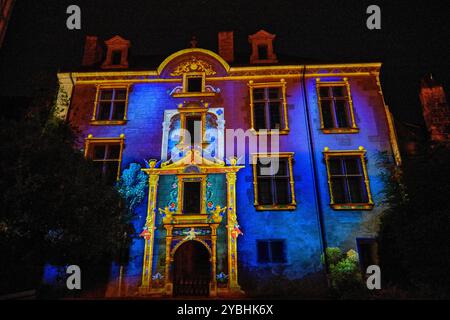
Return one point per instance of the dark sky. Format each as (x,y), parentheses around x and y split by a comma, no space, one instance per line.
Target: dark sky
(412,42)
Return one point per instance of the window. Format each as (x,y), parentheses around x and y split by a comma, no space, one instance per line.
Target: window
(263,53)
(348,180)
(336,108)
(271,251)
(194,84)
(111,106)
(367,252)
(268,107)
(194,127)
(192,197)
(116,58)
(106,155)
(273,182)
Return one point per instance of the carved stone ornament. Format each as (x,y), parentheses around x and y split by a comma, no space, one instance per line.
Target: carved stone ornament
(193,65)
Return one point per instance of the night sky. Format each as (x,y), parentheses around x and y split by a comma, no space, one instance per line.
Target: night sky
(413,40)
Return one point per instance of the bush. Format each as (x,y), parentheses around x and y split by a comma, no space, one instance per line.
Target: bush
(345,276)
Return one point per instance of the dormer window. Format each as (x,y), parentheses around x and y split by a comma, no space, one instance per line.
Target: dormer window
(117,53)
(262,47)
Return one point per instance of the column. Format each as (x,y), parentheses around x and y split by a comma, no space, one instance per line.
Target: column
(232,240)
(149,239)
(168,288)
(213,287)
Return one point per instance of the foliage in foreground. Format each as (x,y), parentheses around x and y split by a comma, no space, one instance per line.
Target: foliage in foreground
(414,247)
(344,274)
(54,208)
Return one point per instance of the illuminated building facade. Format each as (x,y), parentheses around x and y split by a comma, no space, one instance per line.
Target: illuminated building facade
(213,216)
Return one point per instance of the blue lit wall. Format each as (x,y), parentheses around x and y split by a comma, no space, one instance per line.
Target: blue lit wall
(300,227)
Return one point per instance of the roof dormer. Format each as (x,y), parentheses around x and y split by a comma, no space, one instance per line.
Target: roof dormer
(262,47)
(116,53)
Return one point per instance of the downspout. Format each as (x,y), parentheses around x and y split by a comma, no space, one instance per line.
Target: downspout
(315,177)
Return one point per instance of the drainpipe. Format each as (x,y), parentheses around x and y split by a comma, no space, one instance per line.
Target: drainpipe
(315,177)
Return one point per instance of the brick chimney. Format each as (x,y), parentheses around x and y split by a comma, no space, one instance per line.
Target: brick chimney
(226,45)
(92,51)
(436,111)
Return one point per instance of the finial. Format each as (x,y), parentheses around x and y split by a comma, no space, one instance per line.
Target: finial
(152,163)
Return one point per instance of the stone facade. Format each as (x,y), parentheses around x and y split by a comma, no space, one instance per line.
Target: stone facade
(157,98)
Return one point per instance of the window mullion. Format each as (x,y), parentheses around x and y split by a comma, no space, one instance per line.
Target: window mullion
(334,112)
(347,186)
(111,109)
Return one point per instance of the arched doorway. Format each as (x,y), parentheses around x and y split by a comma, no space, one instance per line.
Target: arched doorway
(191,270)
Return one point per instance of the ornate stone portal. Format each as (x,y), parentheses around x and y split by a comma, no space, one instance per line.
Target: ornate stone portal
(201,227)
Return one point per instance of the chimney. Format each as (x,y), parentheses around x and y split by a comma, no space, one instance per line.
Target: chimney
(92,51)
(226,46)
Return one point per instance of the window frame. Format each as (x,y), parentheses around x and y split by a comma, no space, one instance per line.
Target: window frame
(265,207)
(186,94)
(196,178)
(90,141)
(361,154)
(99,88)
(269,241)
(284,113)
(192,112)
(344,82)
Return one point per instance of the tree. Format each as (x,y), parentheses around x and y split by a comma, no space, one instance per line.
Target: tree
(132,186)
(414,248)
(54,210)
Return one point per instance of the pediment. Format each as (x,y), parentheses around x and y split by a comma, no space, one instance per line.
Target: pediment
(193,60)
(262,34)
(117,41)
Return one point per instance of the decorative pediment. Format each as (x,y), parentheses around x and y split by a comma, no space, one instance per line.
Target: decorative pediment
(117,41)
(262,34)
(117,53)
(193,65)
